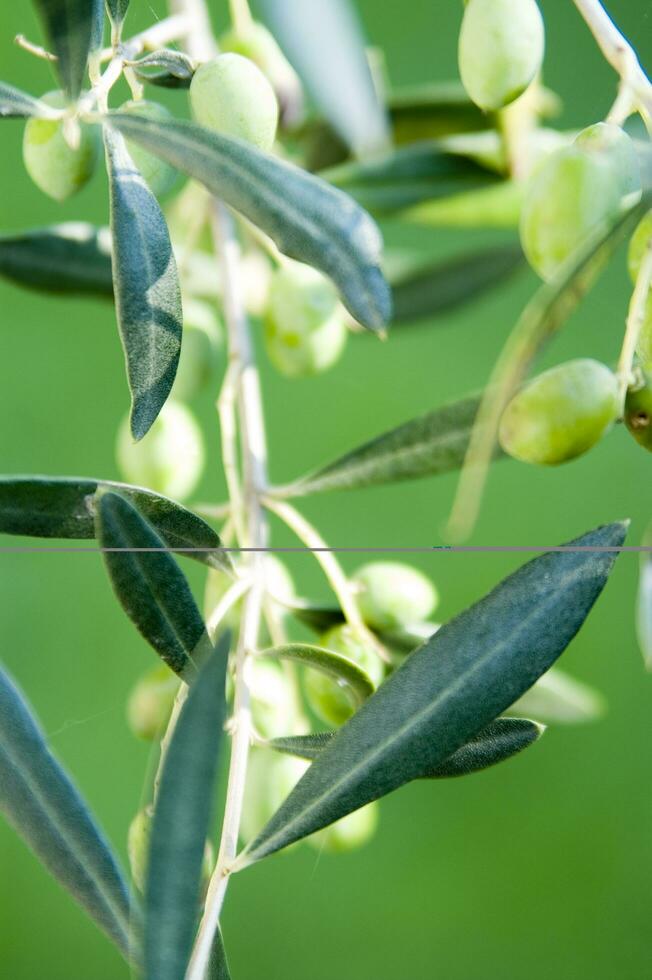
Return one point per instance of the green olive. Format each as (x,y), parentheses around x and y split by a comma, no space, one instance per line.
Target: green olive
(305,332)
(561,413)
(169,459)
(270,780)
(501,50)
(231,95)
(159,176)
(330,700)
(150,703)
(568,198)
(57,168)
(347,834)
(138,840)
(638,414)
(391,595)
(615,146)
(257,43)
(201,347)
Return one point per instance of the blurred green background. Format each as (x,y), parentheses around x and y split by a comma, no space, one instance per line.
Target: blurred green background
(539,868)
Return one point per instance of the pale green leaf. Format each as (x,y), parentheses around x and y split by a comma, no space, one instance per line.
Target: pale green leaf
(166,68)
(558,699)
(15,104)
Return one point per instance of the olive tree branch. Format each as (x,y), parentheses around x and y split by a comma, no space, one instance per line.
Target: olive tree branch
(635,319)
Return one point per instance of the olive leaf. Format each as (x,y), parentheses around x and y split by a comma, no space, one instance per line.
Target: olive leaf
(426,446)
(558,699)
(499,741)
(436,288)
(181,823)
(64,507)
(324,42)
(335,665)
(149,584)
(307,218)
(644,604)
(71,27)
(318,617)
(71,258)
(43,805)
(15,104)
(173,69)
(117,10)
(146,286)
(218,965)
(451,688)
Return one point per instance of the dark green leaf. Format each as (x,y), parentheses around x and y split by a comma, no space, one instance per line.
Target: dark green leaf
(323,40)
(328,662)
(171,69)
(70,258)
(307,218)
(558,699)
(41,802)
(432,444)
(149,584)
(446,692)
(146,286)
(15,104)
(318,618)
(444,286)
(500,740)
(218,967)
(117,10)
(181,823)
(64,507)
(71,29)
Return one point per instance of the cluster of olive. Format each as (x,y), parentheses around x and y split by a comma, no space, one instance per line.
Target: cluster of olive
(392,597)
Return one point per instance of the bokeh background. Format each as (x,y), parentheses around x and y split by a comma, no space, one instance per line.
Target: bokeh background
(539,868)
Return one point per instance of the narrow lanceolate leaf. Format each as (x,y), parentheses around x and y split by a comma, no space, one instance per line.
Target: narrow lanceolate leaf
(327,662)
(427,446)
(166,68)
(40,801)
(644,608)
(218,966)
(318,618)
(443,286)
(117,10)
(557,699)
(307,218)
(64,507)
(181,824)
(146,286)
(449,690)
(70,26)
(323,40)
(72,258)
(500,740)
(15,104)
(150,585)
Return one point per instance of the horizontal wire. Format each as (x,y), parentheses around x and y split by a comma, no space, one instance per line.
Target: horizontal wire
(389,549)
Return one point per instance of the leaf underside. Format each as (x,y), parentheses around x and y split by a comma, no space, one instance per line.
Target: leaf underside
(15,104)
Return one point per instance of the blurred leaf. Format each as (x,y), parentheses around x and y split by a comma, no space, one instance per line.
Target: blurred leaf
(405,639)
(70,26)
(45,808)
(307,218)
(74,257)
(407,176)
(147,294)
(181,823)
(173,69)
(323,40)
(499,741)
(318,618)
(328,662)
(644,605)
(63,507)
(117,10)
(150,585)
(446,692)
(427,446)
(218,967)
(495,206)
(557,698)
(443,286)
(15,104)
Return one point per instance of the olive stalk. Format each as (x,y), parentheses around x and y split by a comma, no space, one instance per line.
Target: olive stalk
(240,15)
(635,320)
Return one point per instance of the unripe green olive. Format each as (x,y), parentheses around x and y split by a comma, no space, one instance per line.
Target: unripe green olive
(638,414)
(501,50)
(231,95)
(330,700)
(570,196)
(615,146)
(138,839)
(347,834)
(561,413)
(150,703)
(270,780)
(54,166)
(201,347)
(169,459)
(257,43)
(305,331)
(391,595)
(637,247)
(159,175)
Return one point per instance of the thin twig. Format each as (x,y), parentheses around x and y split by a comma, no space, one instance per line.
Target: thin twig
(636,317)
